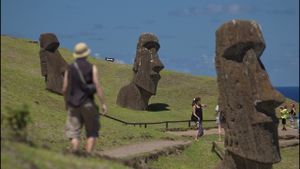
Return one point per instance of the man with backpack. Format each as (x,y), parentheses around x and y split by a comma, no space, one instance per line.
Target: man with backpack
(80,84)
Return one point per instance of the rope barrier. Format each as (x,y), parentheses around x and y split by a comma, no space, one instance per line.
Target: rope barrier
(145,124)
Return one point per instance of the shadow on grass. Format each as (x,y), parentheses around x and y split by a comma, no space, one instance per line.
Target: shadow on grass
(158,107)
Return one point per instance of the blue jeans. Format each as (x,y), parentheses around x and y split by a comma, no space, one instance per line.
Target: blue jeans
(200,128)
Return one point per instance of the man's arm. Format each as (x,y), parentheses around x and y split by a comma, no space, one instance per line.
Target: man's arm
(65,87)
(99,89)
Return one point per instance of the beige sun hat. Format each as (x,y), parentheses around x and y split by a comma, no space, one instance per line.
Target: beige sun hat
(81,50)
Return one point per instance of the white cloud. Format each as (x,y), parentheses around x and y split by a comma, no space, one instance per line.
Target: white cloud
(234,8)
(215,8)
(119,61)
(207,60)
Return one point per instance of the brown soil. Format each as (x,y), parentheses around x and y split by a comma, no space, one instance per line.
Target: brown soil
(290,133)
(141,148)
(193,133)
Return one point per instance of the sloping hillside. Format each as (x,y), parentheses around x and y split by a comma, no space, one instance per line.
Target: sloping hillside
(21,82)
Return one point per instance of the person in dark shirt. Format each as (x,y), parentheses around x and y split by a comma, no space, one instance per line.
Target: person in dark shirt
(293,115)
(197,113)
(80,104)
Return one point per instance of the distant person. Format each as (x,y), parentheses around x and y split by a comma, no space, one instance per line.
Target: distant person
(80,104)
(218,122)
(197,115)
(284,115)
(298,120)
(292,115)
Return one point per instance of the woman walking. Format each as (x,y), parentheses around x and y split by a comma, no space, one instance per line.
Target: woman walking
(218,122)
(292,115)
(197,114)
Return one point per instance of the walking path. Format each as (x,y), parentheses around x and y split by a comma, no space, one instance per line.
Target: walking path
(291,137)
(288,134)
(138,154)
(141,148)
(287,138)
(192,133)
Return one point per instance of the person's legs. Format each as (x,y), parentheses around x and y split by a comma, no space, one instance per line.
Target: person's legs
(90,144)
(73,127)
(283,124)
(219,131)
(92,125)
(292,121)
(75,144)
(197,134)
(200,130)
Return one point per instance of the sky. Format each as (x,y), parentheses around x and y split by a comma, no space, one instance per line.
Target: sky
(186,29)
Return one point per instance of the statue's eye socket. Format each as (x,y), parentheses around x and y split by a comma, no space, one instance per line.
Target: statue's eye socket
(151,45)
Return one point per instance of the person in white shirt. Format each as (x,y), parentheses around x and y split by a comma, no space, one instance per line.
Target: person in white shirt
(218,121)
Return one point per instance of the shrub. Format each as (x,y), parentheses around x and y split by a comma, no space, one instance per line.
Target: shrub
(17,120)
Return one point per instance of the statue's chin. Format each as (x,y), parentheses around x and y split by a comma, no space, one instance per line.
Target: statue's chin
(149,89)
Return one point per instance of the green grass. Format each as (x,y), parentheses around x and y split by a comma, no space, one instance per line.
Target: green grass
(289,158)
(21,82)
(198,155)
(21,156)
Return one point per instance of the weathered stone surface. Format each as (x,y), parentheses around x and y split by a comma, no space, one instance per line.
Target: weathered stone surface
(247,99)
(53,65)
(146,68)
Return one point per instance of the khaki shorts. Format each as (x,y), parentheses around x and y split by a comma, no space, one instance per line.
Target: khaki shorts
(87,115)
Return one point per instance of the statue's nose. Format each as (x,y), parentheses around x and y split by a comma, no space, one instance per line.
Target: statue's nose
(157,65)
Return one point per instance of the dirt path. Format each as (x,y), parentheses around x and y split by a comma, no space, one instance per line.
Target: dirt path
(192,133)
(288,143)
(140,153)
(288,134)
(140,148)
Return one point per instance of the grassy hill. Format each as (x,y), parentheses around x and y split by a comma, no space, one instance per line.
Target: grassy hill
(21,82)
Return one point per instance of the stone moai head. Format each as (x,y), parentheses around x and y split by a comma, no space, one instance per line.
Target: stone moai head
(49,42)
(53,64)
(246,96)
(147,65)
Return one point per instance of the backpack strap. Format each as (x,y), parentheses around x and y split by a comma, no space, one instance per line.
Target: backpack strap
(79,72)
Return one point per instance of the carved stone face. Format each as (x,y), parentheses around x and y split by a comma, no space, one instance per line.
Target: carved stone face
(53,64)
(48,41)
(147,64)
(246,96)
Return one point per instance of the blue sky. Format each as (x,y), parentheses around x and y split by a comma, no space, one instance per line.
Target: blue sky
(186,29)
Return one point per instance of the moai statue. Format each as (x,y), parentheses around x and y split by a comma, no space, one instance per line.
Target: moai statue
(53,65)
(246,98)
(146,70)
